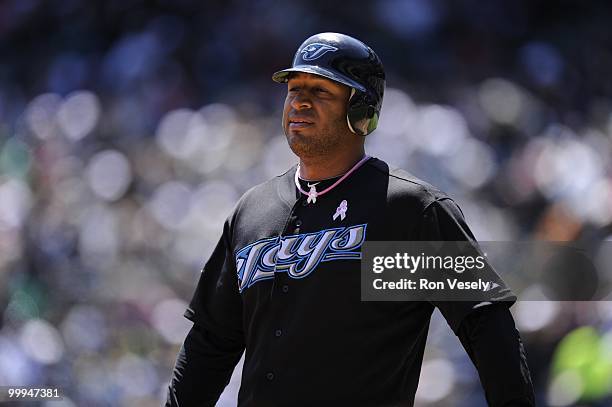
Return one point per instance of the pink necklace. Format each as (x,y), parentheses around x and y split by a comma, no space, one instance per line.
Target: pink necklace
(313,194)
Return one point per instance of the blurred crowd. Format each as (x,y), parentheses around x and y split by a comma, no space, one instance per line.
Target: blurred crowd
(128,130)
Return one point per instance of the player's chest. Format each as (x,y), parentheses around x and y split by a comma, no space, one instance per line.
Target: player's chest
(309,244)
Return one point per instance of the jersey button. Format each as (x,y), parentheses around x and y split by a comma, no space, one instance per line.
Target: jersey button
(278,333)
(304,202)
(298,223)
(270,376)
(285,288)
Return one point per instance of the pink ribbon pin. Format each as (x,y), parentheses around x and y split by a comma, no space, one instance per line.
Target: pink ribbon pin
(341,210)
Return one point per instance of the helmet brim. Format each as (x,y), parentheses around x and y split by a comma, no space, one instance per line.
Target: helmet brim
(282,76)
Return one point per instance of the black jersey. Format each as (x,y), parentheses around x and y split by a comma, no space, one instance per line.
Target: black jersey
(284,281)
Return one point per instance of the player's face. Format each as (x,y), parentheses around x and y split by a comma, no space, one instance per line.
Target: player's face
(314,117)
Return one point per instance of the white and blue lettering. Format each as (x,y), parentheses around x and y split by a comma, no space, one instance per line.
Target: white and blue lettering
(297,255)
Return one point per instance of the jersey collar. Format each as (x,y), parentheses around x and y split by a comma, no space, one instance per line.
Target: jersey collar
(289,194)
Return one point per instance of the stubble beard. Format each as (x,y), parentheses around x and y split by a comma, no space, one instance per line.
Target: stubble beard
(324,142)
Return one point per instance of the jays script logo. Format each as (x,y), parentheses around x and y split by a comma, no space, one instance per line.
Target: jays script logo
(297,255)
(316,50)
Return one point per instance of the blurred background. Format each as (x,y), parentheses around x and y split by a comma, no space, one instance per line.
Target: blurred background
(128,129)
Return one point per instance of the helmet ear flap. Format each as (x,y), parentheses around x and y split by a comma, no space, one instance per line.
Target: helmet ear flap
(361,115)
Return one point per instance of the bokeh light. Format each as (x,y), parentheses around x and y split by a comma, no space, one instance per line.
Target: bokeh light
(164,319)
(109,175)
(41,342)
(41,115)
(84,328)
(532,316)
(436,382)
(78,114)
(502,100)
(15,202)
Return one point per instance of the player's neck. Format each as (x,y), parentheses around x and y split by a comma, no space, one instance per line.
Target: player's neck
(324,167)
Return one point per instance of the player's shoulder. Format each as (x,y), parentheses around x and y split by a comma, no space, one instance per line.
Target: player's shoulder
(268,189)
(401,184)
(267,193)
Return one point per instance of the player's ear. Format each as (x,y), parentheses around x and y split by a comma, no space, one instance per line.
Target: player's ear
(348,92)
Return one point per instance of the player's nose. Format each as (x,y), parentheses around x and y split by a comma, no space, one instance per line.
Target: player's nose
(301,101)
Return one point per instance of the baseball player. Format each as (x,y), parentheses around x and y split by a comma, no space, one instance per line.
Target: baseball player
(283,282)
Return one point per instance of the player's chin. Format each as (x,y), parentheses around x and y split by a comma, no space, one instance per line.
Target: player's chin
(298,139)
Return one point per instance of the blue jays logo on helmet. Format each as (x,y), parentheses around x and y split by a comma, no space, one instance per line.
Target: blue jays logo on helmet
(316,50)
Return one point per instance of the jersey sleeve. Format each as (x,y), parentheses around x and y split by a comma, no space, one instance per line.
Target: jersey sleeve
(442,220)
(216,304)
(494,345)
(215,342)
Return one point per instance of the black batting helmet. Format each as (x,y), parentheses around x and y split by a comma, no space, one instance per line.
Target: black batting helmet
(348,61)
